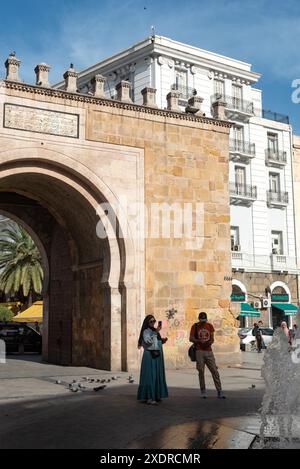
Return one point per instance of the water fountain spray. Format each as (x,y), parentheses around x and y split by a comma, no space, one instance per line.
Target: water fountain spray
(280,407)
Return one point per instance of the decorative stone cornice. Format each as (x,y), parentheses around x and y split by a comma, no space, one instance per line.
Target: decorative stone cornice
(80,98)
(164,60)
(178,64)
(223,76)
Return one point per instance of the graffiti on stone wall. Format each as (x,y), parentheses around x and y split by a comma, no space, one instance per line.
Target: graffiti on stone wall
(175,328)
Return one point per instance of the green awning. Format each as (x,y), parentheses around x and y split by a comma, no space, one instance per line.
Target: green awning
(249,311)
(287,308)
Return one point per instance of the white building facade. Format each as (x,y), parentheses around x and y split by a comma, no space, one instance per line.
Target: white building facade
(264,258)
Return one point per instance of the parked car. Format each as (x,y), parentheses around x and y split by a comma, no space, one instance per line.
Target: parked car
(20,338)
(248,341)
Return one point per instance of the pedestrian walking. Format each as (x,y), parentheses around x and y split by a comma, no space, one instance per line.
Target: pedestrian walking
(256,332)
(153,386)
(286,331)
(202,336)
(294,332)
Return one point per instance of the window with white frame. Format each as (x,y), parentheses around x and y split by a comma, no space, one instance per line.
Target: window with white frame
(219,87)
(240,177)
(238,133)
(272,142)
(277,245)
(235,238)
(181,79)
(274,182)
(237,92)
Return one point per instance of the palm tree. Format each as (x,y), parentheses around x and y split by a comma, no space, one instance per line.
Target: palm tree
(20,263)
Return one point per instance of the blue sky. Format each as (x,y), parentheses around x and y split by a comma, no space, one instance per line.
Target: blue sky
(265,33)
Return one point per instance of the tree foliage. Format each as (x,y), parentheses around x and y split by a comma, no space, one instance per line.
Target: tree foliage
(6,314)
(20,262)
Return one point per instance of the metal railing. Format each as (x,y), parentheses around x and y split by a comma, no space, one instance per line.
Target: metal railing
(185,91)
(243,190)
(277,197)
(242,147)
(237,104)
(278,156)
(275,116)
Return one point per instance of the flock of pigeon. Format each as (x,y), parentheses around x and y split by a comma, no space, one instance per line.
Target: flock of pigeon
(101,384)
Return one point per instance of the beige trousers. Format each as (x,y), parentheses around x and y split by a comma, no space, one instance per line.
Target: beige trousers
(207,358)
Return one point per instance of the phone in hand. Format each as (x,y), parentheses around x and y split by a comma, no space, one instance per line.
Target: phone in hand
(159,323)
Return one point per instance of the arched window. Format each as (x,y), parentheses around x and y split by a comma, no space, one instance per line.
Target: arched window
(239,292)
(280,293)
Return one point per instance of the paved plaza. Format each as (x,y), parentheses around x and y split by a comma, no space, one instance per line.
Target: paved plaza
(35,412)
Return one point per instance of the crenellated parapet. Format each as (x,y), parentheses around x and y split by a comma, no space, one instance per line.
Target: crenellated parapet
(96,93)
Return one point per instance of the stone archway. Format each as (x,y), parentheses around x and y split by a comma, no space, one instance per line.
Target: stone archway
(87,297)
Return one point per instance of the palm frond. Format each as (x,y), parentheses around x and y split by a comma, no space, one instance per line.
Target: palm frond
(20,262)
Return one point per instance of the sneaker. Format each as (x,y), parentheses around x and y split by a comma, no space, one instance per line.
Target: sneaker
(152,402)
(203,394)
(221,395)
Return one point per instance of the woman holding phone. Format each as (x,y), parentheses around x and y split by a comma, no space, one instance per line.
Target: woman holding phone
(153,386)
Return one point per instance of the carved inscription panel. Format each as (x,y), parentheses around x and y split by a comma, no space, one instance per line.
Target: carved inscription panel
(41,120)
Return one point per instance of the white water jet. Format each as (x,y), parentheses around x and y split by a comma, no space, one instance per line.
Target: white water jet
(280,406)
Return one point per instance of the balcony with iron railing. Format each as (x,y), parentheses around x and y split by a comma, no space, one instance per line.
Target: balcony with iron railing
(185,91)
(275,116)
(242,194)
(236,108)
(241,151)
(277,199)
(275,158)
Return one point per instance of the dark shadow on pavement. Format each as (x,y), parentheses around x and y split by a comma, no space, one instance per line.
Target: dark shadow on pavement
(114,419)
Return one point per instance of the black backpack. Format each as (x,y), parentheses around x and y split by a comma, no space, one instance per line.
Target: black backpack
(192,349)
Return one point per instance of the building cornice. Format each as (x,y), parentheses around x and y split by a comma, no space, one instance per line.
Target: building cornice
(116,61)
(82,98)
(211,65)
(170,49)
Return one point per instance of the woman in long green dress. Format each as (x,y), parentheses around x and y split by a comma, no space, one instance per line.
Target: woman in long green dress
(153,386)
